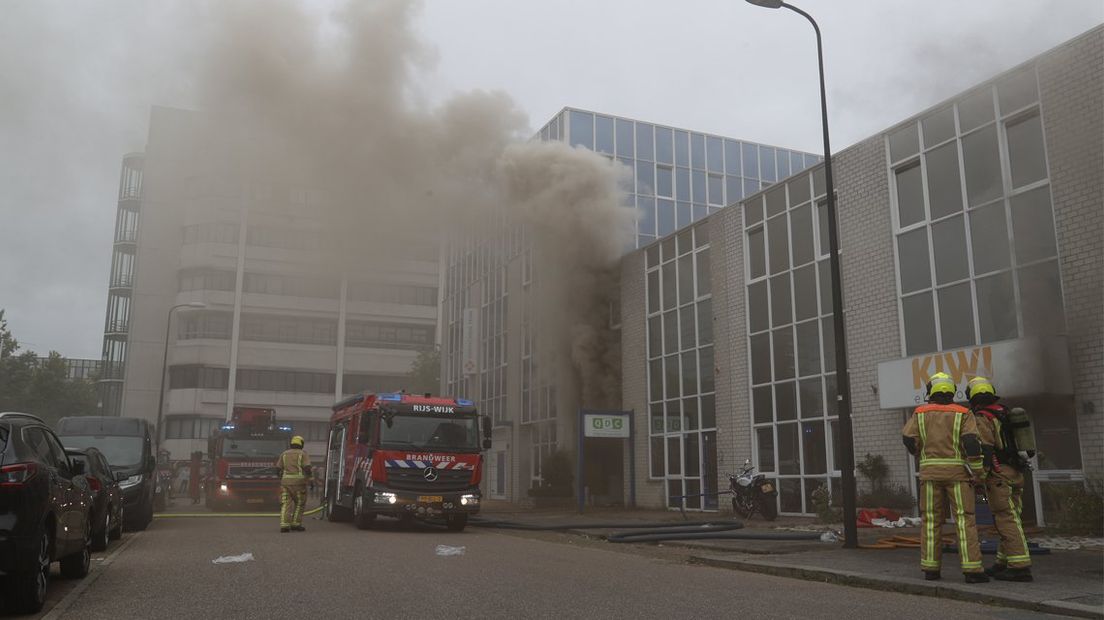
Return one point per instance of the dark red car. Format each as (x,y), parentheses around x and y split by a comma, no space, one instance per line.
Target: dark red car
(107,497)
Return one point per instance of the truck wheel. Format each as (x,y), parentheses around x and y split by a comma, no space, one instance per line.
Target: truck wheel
(362,517)
(336,512)
(457,523)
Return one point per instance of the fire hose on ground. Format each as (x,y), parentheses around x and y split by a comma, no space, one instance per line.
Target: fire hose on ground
(658,531)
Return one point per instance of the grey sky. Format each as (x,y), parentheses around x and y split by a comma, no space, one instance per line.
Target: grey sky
(77,79)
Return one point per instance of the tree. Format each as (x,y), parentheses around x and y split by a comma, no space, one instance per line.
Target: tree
(425,373)
(43,389)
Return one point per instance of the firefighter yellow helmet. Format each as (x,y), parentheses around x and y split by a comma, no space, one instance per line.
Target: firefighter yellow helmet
(979,385)
(297,442)
(941,383)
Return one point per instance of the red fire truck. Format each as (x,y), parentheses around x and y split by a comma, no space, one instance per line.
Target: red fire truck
(241,458)
(405,456)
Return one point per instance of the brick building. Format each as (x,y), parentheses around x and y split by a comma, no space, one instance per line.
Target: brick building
(971,241)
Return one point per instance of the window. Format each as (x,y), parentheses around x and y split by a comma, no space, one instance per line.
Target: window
(981,162)
(1026,153)
(582,129)
(603,134)
(645,142)
(910,196)
(949,248)
(664,146)
(665,181)
(944,188)
(790,341)
(912,248)
(190,427)
(682,439)
(1033,226)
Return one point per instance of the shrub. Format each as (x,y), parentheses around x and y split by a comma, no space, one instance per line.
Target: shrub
(556,477)
(896,496)
(822,504)
(873,467)
(1081,509)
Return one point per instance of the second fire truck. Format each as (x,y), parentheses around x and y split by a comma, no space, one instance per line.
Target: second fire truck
(405,456)
(241,454)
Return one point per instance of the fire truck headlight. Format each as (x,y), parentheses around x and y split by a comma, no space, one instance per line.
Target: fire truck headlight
(469,500)
(223,488)
(386,498)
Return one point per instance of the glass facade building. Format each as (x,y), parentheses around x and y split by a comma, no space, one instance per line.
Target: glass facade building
(494,348)
(677,176)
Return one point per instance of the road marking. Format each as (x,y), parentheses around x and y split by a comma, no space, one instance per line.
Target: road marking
(67,602)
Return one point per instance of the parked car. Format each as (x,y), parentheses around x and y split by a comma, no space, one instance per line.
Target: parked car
(107,497)
(128,445)
(45,511)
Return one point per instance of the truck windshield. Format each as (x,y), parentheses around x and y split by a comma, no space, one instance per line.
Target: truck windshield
(425,432)
(253,448)
(120,452)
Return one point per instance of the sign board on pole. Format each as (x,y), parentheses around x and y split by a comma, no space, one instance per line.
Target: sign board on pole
(469,341)
(600,425)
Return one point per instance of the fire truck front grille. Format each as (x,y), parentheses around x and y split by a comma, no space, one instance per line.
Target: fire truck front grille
(409,479)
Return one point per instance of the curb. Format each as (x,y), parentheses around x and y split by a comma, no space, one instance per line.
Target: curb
(861,580)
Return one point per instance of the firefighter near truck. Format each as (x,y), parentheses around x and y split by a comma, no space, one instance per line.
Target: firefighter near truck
(240,460)
(406,457)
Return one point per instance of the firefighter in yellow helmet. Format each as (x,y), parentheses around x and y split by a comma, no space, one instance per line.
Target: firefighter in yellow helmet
(295,472)
(1004,480)
(945,437)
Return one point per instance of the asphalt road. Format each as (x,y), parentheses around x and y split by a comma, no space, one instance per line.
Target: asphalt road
(336,571)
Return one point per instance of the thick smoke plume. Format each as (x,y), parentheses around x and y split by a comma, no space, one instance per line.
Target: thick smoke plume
(333,105)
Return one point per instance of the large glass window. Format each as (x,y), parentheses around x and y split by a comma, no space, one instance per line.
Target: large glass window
(682,435)
(995,269)
(910,196)
(790,362)
(582,129)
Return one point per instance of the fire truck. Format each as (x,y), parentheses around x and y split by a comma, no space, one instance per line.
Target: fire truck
(241,460)
(405,456)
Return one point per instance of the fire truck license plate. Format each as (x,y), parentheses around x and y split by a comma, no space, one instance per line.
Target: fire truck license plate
(430,499)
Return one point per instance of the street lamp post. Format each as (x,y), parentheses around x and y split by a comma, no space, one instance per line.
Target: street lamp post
(845,460)
(165,365)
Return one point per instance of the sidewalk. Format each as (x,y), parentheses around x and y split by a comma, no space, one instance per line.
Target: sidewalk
(1066,582)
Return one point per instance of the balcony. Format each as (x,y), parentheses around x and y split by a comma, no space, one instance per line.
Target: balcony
(122,281)
(127,236)
(112,371)
(115,328)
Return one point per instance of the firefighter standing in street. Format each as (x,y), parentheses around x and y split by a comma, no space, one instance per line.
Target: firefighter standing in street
(1004,482)
(945,436)
(295,472)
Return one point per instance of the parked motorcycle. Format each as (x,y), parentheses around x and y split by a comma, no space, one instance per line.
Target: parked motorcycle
(752,492)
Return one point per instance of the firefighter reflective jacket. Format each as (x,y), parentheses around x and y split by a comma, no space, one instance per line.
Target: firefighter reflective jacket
(945,437)
(294,464)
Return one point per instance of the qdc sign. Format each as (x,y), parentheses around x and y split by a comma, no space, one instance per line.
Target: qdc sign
(598,425)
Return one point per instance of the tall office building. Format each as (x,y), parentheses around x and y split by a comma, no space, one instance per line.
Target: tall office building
(496,346)
(970,240)
(265,312)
